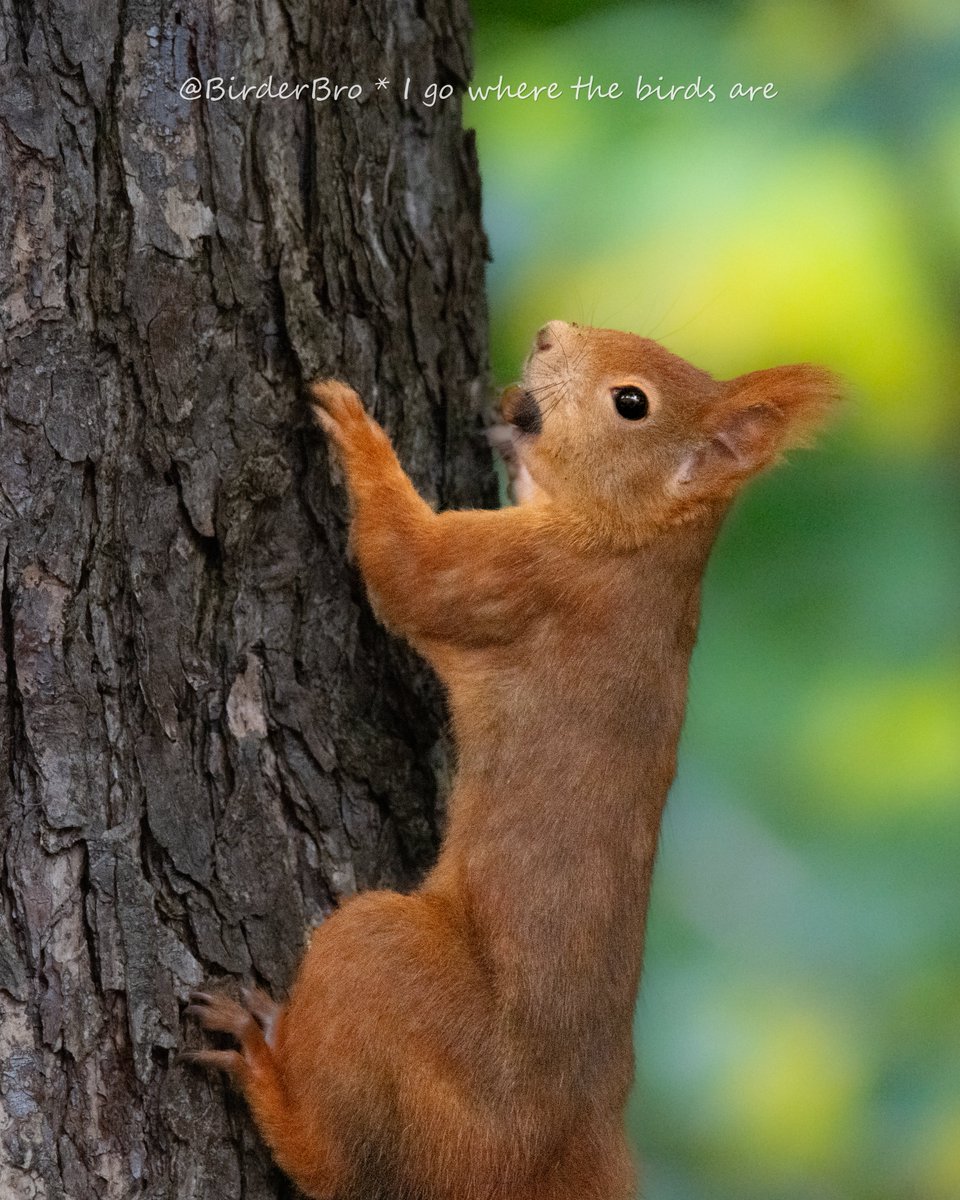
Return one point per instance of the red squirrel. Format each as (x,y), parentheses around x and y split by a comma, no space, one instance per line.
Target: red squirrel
(472,1040)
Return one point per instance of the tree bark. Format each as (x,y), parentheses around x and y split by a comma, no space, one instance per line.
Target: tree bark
(207,738)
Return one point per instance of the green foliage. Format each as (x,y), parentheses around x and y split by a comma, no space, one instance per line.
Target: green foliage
(799,1026)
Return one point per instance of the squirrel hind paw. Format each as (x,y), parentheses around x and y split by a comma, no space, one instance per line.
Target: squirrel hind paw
(230,1061)
(219,1013)
(265,1012)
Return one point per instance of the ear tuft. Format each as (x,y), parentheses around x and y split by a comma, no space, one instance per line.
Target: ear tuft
(752,421)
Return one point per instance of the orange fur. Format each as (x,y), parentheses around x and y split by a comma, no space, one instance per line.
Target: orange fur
(472,1040)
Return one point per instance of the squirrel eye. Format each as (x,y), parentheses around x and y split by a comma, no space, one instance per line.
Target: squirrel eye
(631,402)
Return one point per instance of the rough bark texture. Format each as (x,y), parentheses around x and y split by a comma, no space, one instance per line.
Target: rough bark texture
(207,739)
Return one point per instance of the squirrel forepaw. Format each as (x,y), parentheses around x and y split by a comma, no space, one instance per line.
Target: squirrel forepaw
(339,411)
(335,404)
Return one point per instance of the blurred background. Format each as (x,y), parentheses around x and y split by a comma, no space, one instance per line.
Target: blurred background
(798,1031)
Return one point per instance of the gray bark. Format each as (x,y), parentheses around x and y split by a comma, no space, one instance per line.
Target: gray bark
(207,739)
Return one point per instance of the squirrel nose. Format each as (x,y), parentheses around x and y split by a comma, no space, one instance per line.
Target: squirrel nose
(547,335)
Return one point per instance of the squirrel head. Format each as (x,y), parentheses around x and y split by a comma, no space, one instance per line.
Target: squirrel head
(636,438)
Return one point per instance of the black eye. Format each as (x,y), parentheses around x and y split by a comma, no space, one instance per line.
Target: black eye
(631,402)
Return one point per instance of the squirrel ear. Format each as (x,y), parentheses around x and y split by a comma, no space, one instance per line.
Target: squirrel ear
(751,422)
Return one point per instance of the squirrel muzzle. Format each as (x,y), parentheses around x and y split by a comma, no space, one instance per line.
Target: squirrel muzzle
(521,410)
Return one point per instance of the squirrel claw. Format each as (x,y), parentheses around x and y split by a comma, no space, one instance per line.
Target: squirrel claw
(219,1013)
(339,411)
(230,1061)
(335,405)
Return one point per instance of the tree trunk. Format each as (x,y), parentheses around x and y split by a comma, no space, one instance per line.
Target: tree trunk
(208,740)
